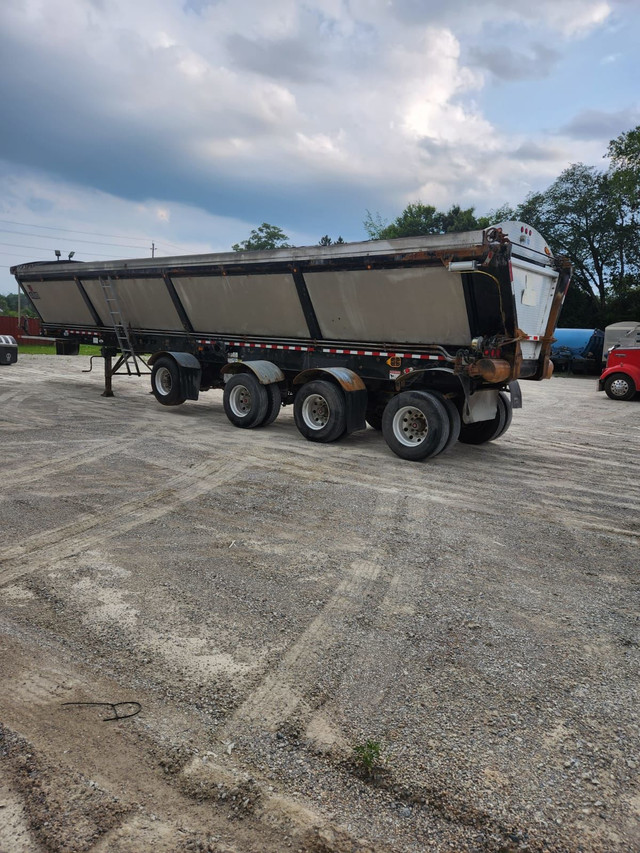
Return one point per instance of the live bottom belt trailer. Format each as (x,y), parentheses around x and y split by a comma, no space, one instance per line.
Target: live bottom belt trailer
(420,337)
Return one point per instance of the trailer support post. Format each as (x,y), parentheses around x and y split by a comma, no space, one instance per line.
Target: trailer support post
(108,373)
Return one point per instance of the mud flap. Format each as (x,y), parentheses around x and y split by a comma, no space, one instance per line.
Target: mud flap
(356,402)
(190,371)
(516,395)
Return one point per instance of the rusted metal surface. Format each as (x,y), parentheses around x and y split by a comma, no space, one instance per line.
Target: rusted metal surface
(347,379)
(491,369)
(265,371)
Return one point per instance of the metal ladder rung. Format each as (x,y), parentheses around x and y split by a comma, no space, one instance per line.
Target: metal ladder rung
(121,331)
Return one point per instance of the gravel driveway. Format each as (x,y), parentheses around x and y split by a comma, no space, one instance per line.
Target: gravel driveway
(330,649)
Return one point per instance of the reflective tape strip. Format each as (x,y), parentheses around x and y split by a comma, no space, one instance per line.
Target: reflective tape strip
(331,350)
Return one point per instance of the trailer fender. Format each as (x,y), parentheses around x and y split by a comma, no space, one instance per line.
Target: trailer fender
(266,372)
(444,374)
(190,371)
(353,386)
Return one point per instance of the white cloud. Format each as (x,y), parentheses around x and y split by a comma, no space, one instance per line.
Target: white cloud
(238,111)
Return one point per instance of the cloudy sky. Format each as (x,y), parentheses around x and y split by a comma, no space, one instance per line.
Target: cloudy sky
(189,122)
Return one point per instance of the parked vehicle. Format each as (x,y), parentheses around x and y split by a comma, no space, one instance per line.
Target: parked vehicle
(619,334)
(578,350)
(422,337)
(621,377)
(8,349)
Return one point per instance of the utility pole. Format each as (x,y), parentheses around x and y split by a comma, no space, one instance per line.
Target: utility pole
(153,250)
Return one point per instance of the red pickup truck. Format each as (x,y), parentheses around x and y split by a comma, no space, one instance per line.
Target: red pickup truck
(620,379)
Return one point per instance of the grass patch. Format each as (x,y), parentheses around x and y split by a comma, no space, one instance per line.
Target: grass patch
(368,759)
(50,349)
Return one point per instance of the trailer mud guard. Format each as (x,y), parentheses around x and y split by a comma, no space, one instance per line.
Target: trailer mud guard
(266,372)
(190,371)
(355,392)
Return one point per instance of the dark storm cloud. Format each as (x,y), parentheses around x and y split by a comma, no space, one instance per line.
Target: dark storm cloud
(283,59)
(533,151)
(536,62)
(599,125)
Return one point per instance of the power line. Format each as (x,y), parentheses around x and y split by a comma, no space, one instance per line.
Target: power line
(88,233)
(46,249)
(75,239)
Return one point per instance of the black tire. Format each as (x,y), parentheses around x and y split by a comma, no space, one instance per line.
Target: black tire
(320,411)
(415,425)
(483,431)
(165,382)
(245,401)
(275,403)
(620,386)
(505,400)
(455,421)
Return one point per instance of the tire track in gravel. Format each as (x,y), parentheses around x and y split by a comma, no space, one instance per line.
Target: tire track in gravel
(45,548)
(541,505)
(283,689)
(55,465)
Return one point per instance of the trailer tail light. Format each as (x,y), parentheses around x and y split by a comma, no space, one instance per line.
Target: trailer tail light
(493,352)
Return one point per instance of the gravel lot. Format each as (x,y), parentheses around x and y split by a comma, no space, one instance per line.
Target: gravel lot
(272,604)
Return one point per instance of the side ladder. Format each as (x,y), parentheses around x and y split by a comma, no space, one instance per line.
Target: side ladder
(129,358)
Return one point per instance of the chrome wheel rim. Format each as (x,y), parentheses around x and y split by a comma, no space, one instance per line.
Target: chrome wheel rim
(240,401)
(619,387)
(163,381)
(315,411)
(410,426)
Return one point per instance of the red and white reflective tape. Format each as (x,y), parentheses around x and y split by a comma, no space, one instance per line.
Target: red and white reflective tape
(421,356)
(332,350)
(296,348)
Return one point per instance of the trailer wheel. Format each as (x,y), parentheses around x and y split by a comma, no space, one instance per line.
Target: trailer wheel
(415,425)
(483,431)
(245,400)
(619,386)
(165,382)
(275,403)
(505,401)
(455,421)
(320,411)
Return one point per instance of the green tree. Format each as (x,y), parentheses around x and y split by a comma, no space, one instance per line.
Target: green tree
(327,241)
(266,236)
(9,306)
(591,216)
(624,150)
(418,219)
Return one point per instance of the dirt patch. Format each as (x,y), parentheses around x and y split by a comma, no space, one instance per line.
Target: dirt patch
(272,603)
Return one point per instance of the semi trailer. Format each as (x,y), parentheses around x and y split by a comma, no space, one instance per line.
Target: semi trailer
(424,338)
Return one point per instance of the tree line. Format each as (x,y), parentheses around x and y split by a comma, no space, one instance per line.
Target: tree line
(590,215)
(9,306)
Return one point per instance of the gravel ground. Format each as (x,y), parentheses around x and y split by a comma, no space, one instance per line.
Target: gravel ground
(272,604)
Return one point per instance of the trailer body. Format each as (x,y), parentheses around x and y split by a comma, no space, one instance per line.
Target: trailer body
(434,327)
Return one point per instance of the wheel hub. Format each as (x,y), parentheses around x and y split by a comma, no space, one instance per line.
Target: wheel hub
(619,387)
(240,401)
(315,411)
(410,426)
(163,381)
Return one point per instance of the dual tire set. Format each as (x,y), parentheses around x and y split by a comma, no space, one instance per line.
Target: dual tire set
(415,424)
